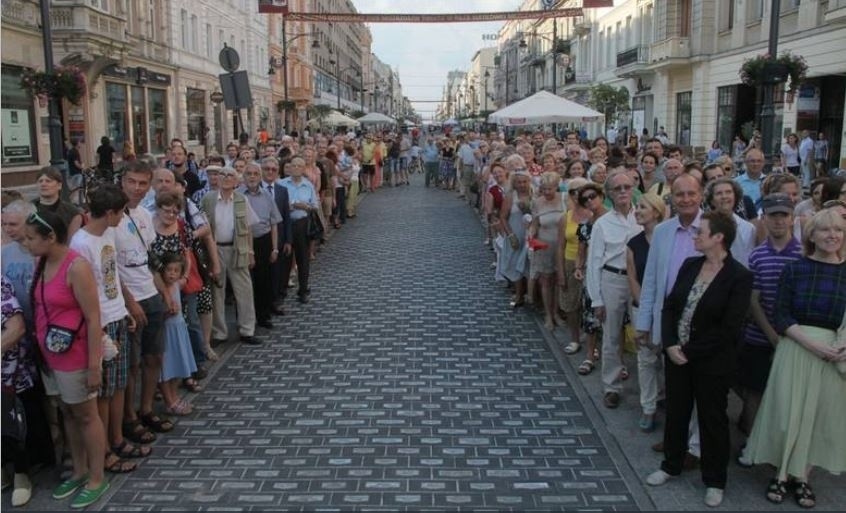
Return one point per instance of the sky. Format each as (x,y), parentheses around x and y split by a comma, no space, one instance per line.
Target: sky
(423,52)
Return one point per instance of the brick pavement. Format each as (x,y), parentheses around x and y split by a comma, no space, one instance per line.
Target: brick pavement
(407,383)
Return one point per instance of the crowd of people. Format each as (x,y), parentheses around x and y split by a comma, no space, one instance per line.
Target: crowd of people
(718,276)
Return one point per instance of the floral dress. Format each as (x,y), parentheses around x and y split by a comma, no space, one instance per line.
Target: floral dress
(18,366)
(590,324)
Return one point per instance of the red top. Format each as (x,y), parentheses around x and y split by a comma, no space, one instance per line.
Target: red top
(497,195)
(61,309)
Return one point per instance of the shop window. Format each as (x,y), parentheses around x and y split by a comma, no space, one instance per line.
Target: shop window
(726,101)
(116,121)
(196,109)
(18,120)
(683,117)
(157,111)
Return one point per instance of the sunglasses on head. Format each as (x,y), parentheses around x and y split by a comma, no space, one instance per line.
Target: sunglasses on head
(35,218)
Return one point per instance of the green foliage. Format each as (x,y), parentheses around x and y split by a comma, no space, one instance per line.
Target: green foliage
(319,112)
(753,70)
(64,82)
(357,114)
(614,103)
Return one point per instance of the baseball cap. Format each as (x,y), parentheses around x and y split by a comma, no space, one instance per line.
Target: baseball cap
(777,203)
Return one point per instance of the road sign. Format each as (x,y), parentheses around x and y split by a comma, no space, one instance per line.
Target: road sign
(236,90)
(229,59)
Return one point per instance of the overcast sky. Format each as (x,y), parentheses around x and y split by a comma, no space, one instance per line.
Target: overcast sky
(425,53)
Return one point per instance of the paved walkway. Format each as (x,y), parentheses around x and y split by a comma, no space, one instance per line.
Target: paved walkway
(406,384)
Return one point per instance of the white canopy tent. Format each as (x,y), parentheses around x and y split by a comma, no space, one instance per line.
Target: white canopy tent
(541,108)
(335,118)
(375,118)
(450,122)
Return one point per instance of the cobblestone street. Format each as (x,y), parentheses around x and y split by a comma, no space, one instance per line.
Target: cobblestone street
(407,383)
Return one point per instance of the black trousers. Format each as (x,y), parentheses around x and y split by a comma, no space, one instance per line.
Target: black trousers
(261,275)
(301,254)
(340,212)
(276,285)
(685,386)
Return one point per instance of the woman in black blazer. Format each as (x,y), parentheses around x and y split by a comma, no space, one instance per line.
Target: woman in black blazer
(702,320)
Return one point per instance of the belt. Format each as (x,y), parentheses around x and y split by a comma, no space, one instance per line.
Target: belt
(225,244)
(610,269)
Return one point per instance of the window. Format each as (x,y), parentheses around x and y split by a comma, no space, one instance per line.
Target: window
(151,19)
(209,42)
(755,10)
(184,29)
(683,117)
(116,113)
(18,120)
(195,33)
(726,14)
(726,99)
(196,109)
(684,18)
(157,111)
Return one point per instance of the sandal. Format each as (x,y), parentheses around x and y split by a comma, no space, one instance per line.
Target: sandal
(776,491)
(88,497)
(191,385)
(586,367)
(211,355)
(572,348)
(118,465)
(180,408)
(127,450)
(804,495)
(137,433)
(156,423)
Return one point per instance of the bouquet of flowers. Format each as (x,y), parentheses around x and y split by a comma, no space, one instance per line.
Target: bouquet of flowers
(64,82)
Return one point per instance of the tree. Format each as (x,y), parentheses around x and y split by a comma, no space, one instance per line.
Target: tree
(319,112)
(357,114)
(614,103)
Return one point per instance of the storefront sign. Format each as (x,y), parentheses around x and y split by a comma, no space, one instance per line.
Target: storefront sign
(137,74)
(17,145)
(809,99)
(273,6)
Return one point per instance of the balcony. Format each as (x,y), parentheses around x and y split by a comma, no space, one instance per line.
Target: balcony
(671,52)
(78,21)
(836,12)
(633,62)
(24,13)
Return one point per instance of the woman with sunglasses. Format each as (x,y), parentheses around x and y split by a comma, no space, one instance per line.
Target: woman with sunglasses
(66,309)
(591,197)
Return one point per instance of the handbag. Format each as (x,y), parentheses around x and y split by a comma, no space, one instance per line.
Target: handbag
(315,226)
(202,259)
(14,417)
(194,283)
(58,339)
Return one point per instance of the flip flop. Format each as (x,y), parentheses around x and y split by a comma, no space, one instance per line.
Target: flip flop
(127,450)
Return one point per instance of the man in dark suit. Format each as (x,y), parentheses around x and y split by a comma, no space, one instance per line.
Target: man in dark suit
(270,177)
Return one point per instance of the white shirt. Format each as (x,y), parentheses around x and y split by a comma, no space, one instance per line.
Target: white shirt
(806,150)
(744,241)
(607,246)
(224,216)
(132,253)
(102,255)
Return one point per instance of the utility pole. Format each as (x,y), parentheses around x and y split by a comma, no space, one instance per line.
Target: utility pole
(57,150)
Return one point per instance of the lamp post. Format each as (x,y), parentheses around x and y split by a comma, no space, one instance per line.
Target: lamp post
(273,64)
(338,77)
(487,76)
(57,151)
(773,74)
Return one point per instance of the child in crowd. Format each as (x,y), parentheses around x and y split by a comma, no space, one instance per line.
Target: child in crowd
(178,360)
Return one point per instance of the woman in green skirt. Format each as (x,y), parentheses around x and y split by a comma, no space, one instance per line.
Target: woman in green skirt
(800,423)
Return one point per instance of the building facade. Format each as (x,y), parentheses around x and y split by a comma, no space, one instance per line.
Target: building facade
(679,61)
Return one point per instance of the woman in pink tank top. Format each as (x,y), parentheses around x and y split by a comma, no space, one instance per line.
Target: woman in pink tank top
(66,309)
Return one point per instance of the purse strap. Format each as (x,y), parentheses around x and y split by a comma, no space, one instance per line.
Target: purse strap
(44,306)
(137,228)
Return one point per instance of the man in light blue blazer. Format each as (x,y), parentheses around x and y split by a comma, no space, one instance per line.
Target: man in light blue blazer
(672,244)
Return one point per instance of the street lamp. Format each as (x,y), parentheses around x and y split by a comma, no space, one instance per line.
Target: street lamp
(282,62)
(338,72)
(487,76)
(557,47)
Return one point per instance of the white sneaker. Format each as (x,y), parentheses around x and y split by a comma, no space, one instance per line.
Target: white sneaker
(658,478)
(713,497)
(23,490)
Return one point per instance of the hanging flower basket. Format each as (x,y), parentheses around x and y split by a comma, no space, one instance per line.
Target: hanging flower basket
(64,82)
(759,70)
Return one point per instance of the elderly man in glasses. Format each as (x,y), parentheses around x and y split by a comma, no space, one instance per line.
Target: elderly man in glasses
(607,283)
(231,218)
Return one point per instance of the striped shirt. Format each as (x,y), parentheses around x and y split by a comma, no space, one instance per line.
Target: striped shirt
(811,293)
(766,264)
